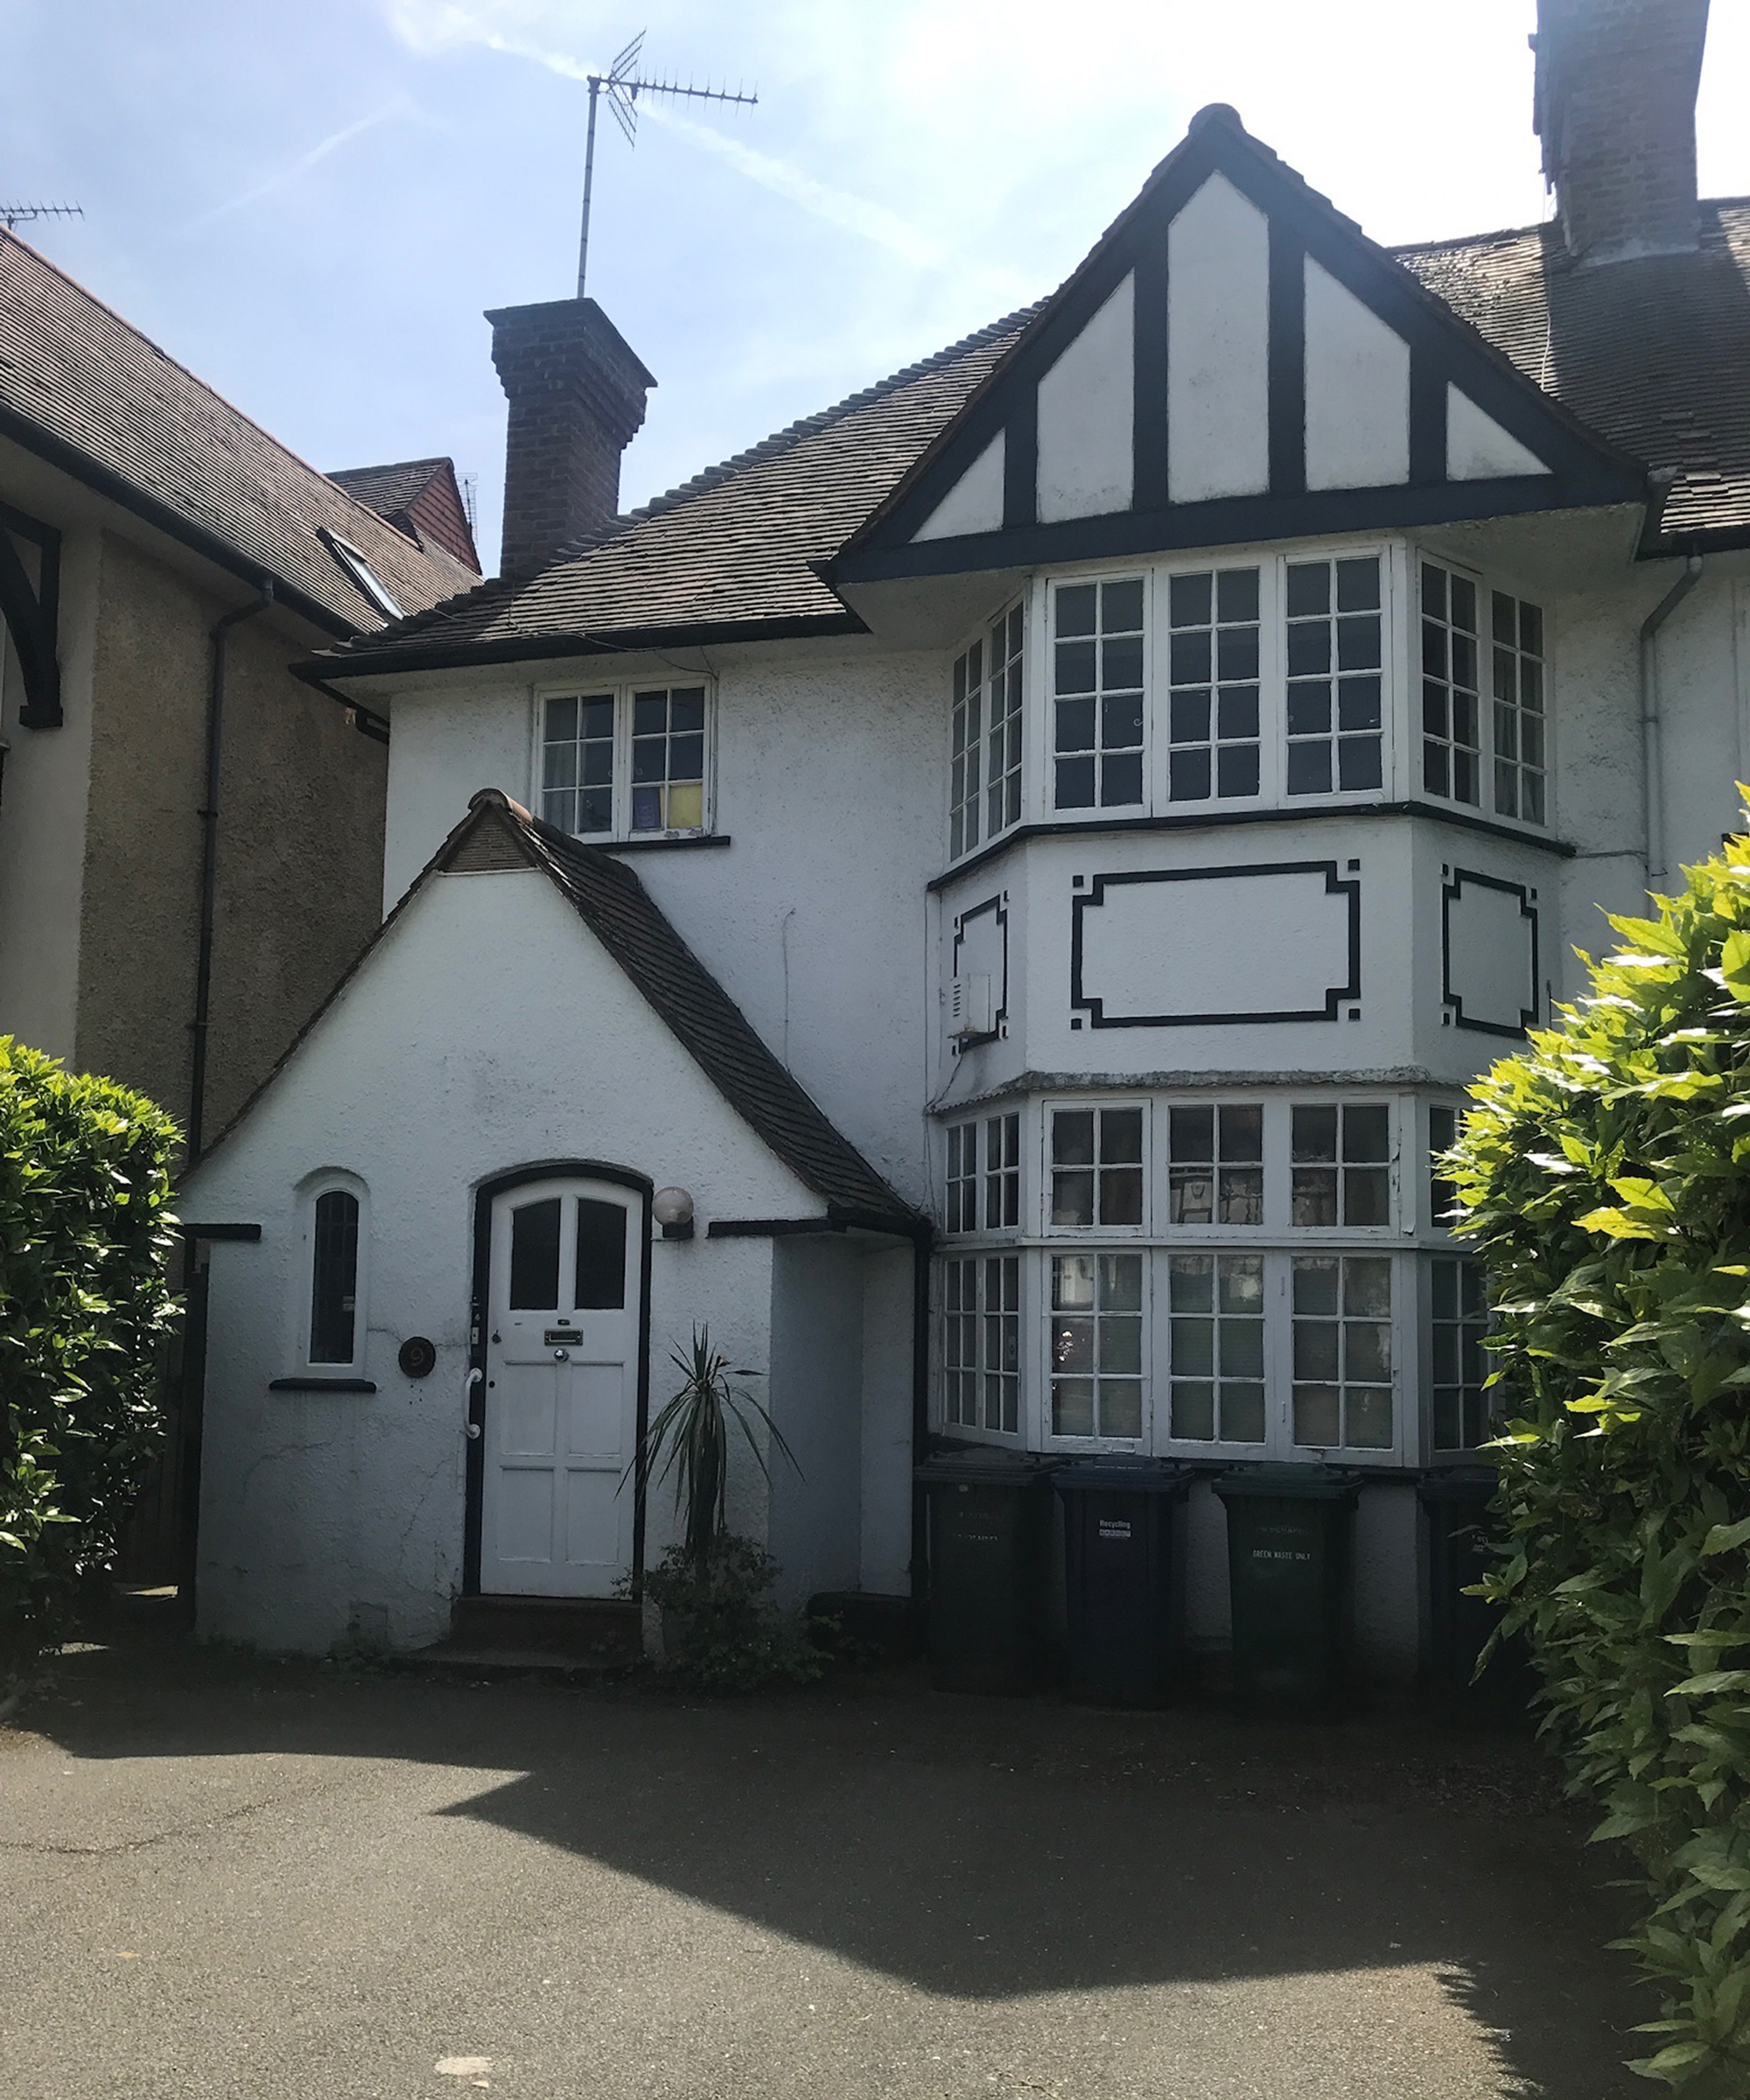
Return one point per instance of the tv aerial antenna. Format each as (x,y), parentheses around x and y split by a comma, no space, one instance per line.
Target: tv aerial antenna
(26,215)
(623,86)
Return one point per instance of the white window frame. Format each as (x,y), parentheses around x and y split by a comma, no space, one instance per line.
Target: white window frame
(328,1181)
(1457,1454)
(624,695)
(973,1259)
(1045,685)
(1488,583)
(1017,609)
(984,1171)
(1098,1104)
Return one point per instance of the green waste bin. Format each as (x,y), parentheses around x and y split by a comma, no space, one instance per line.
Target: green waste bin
(1290,1529)
(1455,1502)
(989,1536)
(1123,1566)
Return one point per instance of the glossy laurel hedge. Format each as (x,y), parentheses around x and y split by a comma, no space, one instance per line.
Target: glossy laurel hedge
(85,1304)
(1605,1178)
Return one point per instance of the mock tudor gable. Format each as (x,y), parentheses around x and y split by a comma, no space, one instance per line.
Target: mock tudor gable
(1235,360)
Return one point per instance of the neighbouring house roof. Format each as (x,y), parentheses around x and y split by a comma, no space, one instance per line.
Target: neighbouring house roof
(419,497)
(1652,352)
(1653,356)
(83,389)
(614,905)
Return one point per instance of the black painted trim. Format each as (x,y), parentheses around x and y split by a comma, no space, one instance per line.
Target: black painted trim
(1427,419)
(1287,365)
(769,1228)
(250,1233)
(314,1384)
(31,613)
(1451,891)
(1149,360)
(537,648)
(1323,812)
(1020,461)
(1335,996)
(999,905)
(484,1195)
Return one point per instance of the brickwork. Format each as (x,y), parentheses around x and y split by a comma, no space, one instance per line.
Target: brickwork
(1616,94)
(577,398)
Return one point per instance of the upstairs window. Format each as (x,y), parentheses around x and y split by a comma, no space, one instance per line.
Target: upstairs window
(1096,1167)
(985,791)
(1452,714)
(987,1197)
(352,559)
(1517,653)
(625,763)
(1097,695)
(1214,725)
(1335,657)
(1342,1164)
(1215,1164)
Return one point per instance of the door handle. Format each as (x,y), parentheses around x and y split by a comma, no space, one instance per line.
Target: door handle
(472,1432)
(471,1429)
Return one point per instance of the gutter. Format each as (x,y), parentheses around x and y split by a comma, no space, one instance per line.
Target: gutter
(219,635)
(1652,726)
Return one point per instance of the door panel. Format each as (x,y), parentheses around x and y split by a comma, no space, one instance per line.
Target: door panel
(562,1388)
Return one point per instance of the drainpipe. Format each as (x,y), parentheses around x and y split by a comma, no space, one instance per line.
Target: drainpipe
(219,636)
(1652,724)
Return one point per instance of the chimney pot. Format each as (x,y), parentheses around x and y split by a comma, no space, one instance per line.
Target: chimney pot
(577,398)
(1615,97)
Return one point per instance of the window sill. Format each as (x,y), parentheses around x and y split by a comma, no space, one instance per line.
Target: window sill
(312,1382)
(659,841)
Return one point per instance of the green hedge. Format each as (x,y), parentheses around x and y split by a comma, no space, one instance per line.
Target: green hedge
(1605,1178)
(85,1303)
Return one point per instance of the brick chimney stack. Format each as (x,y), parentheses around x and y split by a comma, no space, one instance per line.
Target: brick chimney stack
(577,398)
(1615,109)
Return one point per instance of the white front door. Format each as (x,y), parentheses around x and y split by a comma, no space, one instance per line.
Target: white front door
(561,1389)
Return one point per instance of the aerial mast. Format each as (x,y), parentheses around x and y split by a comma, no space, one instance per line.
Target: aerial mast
(26,214)
(623,86)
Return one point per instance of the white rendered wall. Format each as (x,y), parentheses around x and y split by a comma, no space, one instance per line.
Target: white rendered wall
(975,503)
(42,837)
(1357,390)
(488,1033)
(831,783)
(884,1552)
(815,1397)
(1086,417)
(1218,346)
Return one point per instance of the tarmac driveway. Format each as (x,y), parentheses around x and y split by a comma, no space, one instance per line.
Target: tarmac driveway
(223,1877)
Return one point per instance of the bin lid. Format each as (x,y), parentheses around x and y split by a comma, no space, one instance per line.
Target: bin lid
(1458,1484)
(1273,1482)
(987,1467)
(1113,1472)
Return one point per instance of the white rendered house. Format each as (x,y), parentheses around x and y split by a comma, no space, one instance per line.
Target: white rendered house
(1036,853)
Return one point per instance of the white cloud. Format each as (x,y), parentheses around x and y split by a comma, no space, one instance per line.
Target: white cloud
(400,105)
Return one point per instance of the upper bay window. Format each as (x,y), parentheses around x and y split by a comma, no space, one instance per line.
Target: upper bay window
(984,794)
(1335,651)
(1488,756)
(1213,724)
(1097,632)
(984,1174)
(625,763)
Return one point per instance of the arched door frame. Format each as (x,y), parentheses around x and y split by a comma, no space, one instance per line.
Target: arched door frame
(485,1195)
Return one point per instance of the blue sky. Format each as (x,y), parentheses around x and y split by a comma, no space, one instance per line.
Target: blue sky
(310,204)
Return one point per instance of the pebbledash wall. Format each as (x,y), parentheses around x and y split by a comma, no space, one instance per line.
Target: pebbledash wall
(454,1058)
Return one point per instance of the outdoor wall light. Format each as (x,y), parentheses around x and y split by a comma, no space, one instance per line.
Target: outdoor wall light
(672,1210)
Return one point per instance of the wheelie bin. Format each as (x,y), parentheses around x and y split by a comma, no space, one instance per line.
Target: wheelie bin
(1290,1529)
(989,1537)
(1124,1551)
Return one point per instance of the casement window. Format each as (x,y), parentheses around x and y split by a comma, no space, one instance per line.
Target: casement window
(1342,1164)
(984,1187)
(1460,1409)
(1215,1164)
(1336,652)
(1343,1352)
(1098,1171)
(984,785)
(1443,1135)
(331,1312)
(1516,653)
(1213,721)
(1097,705)
(982,1343)
(1451,707)
(1217,1348)
(625,763)
(1096,1346)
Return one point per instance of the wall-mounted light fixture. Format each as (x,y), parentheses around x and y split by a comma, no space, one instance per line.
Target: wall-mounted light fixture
(672,1210)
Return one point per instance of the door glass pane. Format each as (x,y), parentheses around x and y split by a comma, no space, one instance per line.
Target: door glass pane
(534,1256)
(601,1255)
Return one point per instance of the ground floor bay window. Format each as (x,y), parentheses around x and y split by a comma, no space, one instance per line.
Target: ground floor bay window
(1363,1355)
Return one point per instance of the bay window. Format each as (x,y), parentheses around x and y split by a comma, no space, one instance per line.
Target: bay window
(1097,687)
(985,791)
(1335,663)
(1096,1346)
(1213,722)
(1459,1406)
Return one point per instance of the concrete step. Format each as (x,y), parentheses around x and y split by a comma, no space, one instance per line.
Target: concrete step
(602,1632)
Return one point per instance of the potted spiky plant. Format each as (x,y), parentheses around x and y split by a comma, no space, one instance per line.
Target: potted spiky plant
(712,1587)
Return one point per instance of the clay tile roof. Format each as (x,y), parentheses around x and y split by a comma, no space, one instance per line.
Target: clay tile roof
(730,552)
(82,388)
(1654,353)
(420,497)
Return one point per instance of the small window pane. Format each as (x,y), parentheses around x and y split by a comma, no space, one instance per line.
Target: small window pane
(601,1254)
(334,1277)
(534,1256)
